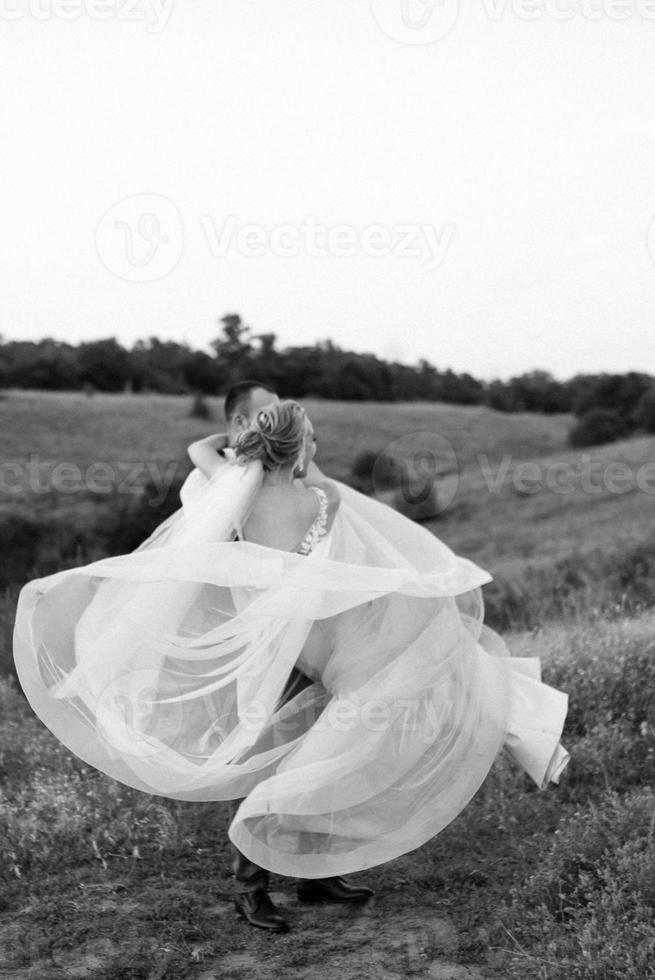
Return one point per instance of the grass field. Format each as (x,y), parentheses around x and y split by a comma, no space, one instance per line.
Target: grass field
(143,428)
(589,509)
(103,882)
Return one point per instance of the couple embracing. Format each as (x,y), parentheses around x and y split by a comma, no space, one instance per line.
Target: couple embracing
(292,646)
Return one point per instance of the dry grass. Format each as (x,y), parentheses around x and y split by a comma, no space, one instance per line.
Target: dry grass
(527,884)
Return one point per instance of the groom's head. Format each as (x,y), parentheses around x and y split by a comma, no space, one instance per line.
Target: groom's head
(242,403)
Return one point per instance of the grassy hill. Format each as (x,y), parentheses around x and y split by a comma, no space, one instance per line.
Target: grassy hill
(526,505)
(141,428)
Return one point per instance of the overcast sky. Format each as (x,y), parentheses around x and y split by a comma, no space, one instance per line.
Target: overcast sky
(471,186)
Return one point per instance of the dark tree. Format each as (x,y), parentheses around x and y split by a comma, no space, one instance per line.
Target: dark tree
(321,370)
(203,373)
(233,349)
(104,364)
(616,392)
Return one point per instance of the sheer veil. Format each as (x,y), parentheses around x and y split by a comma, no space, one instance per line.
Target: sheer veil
(212,509)
(164,669)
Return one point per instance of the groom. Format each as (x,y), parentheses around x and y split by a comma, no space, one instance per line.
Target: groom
(252,900)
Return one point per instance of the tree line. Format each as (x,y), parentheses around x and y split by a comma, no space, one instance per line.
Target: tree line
(321,370)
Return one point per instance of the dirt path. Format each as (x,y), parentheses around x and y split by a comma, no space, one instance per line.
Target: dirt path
(382,939)
(377,939)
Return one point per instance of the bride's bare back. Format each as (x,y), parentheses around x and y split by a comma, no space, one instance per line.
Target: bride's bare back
(282,516)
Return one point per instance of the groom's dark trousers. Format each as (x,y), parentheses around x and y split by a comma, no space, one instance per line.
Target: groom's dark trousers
(247,875)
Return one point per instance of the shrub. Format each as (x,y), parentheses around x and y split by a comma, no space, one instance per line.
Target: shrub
(608,581)
(375,471)
(597,426)
(588,912)
(199,407)
(20,536)
(392,481)
(581,848)
(645,411)
(56,811)
(613,756)
(131,521)
(609,684)
(34,546)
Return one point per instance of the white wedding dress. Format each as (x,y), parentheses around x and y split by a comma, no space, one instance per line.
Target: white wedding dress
(164,668)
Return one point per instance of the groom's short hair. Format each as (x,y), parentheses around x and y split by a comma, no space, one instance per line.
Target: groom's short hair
(239,394)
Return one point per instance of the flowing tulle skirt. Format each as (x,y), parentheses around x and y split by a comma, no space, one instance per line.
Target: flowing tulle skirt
(165,669)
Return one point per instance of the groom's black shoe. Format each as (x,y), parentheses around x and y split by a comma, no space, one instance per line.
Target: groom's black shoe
(258,909)
(331,890)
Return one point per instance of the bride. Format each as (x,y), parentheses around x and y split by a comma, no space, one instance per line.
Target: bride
(167,668)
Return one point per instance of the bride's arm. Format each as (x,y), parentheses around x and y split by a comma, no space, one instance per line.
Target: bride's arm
(204,453)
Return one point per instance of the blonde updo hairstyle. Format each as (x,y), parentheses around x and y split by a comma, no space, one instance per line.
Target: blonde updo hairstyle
(276,436)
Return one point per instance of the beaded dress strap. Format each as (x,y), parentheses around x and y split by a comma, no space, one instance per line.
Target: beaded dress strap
(319,525)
